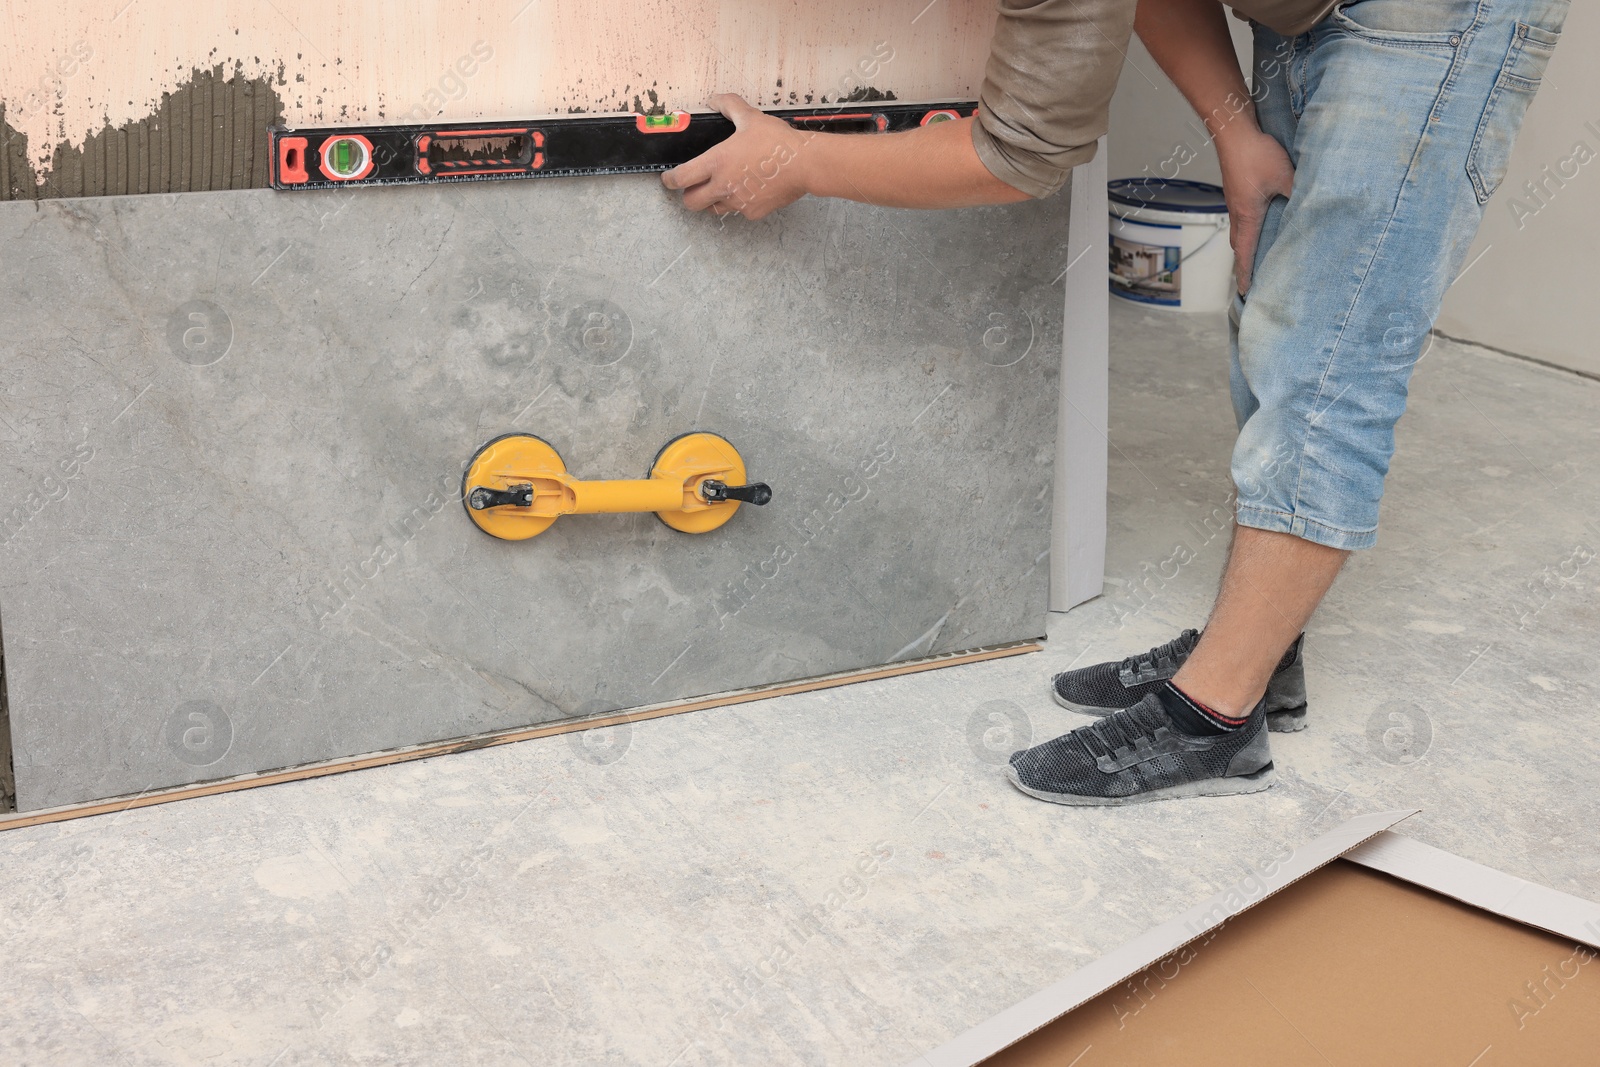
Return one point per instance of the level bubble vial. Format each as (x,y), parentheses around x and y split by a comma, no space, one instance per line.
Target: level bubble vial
(346,158)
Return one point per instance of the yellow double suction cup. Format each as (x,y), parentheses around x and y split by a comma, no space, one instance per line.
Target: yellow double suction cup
(517,485)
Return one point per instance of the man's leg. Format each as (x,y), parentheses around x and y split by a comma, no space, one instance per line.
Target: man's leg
(1404,113)
(1270,587)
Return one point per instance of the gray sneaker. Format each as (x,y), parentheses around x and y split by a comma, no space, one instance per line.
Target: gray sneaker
(1137,754)
(1107,687)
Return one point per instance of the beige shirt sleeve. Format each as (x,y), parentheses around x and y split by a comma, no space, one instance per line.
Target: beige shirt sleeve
(1053,65)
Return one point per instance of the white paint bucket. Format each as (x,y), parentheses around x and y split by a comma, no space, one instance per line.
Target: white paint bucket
(1169,244)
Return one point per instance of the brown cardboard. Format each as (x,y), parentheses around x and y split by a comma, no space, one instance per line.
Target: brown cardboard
(1457,877)
(1170,939)
(1347,966)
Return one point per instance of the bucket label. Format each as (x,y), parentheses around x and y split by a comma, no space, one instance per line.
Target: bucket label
(1151,274)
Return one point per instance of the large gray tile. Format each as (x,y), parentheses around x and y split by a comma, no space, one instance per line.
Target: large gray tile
(235,426)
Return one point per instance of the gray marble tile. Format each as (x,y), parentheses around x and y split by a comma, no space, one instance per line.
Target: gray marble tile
(234,427)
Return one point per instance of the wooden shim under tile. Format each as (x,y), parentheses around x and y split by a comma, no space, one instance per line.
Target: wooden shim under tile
(505,737)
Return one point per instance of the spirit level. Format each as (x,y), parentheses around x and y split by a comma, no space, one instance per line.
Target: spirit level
(547,148)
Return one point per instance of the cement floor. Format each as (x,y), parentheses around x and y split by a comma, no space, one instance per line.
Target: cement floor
(845,877)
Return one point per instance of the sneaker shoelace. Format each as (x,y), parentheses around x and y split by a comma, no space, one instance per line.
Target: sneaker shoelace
(1120,734)
(1149,661)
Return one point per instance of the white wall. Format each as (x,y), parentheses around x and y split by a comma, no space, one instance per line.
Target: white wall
(1530,287)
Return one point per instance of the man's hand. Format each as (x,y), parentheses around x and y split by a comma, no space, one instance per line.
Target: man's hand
(768,164)
(1255,169)
(753,173)
(1190,41)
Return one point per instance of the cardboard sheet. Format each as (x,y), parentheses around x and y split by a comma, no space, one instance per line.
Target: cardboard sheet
(1348,966)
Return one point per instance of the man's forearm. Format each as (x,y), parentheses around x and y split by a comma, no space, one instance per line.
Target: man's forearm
(1189,38)
(1190,41)
(932,167)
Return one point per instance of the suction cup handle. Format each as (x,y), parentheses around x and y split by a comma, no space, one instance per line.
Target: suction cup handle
(520,496)
(714,492)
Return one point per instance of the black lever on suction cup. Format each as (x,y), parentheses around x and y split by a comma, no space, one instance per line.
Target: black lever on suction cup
(714,492)
(482,497)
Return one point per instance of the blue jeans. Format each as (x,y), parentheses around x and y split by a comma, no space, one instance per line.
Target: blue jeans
(1399,117)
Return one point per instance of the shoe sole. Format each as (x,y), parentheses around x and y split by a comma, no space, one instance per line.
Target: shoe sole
(1287,721)
(1283,721)
(1233,785)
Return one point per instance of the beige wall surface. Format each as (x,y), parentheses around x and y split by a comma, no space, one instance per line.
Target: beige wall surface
(1531,281)
(69,69)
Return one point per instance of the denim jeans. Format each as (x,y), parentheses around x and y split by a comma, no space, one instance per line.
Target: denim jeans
(1399,116)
